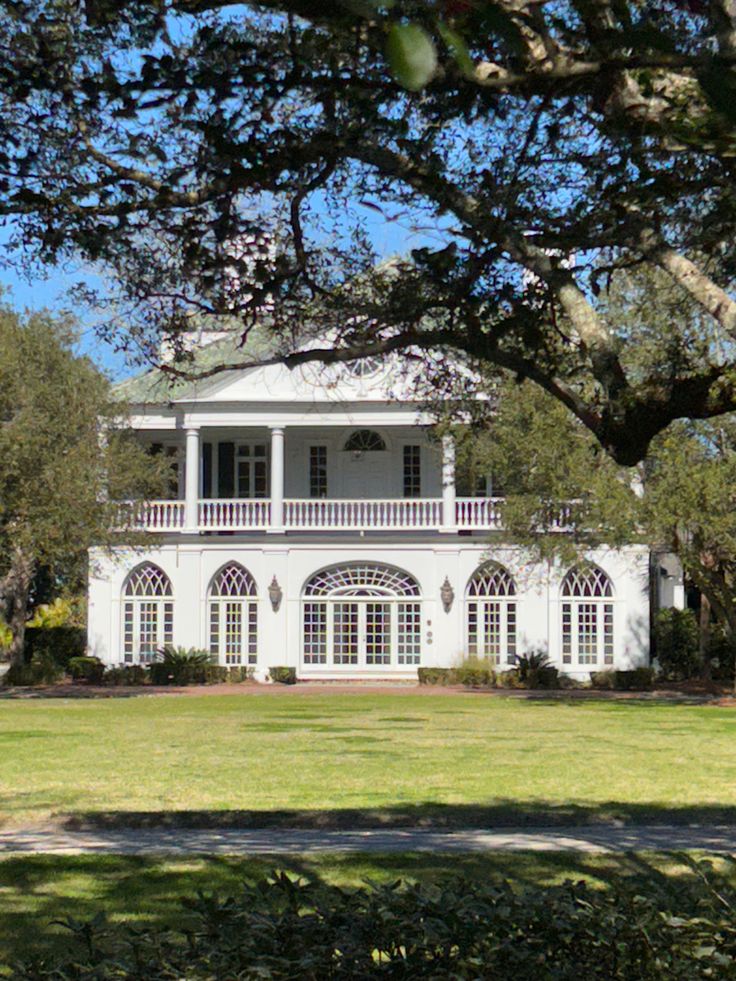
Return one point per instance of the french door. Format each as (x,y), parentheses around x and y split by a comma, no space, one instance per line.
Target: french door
(367,632)
(362,632)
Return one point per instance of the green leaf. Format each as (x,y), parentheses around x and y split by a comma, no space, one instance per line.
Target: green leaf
(458,49)
(412,56)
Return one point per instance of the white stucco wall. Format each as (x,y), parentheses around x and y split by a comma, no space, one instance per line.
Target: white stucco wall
(191,565)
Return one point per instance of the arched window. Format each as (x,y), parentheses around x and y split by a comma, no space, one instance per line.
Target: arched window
(365,441)
(233,616)
(587,616)
(490,614)
(148,613)
(362,615)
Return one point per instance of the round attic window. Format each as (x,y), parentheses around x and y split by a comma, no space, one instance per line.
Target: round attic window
(364,367)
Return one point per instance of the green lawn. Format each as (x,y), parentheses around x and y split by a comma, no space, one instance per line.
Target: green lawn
(339,758)
(37,890)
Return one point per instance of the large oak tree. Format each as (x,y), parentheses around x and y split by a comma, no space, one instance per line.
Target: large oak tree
(537,149)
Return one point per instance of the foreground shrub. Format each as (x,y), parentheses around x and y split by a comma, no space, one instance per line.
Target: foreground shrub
(676,643)
(42,670)
(89,669)
(282,929)
(238,674)
(435,676)
(283,675)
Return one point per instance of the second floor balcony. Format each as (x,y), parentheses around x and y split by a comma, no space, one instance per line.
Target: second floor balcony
(427,514)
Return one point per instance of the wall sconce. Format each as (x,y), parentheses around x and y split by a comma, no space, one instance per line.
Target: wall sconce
(447,595)
(275,594)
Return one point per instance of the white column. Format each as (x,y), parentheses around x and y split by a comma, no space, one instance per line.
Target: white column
(449,516)
(277,480)
(191,488)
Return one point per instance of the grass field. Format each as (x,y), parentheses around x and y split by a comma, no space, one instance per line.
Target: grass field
(342,758)
(37,890)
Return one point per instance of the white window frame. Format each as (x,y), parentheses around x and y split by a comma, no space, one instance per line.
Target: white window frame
(251,461)
(587,618)
(147,613)
(491,614)
(232,603)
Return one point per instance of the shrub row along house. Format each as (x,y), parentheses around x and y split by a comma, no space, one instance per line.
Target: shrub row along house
(313,522)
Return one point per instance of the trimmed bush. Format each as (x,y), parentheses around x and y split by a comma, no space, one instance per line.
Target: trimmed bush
(127,674)
(60,644)
(284,929)
(603,680)
(42,670)
(89,669)
(239,674)
(282,675)
(435,676)
(474,672)
(676,644)
(638,679)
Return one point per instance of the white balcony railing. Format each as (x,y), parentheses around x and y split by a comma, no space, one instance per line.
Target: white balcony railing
(153,515)
(230,515)
(478,512)
(405,514)
(241,514)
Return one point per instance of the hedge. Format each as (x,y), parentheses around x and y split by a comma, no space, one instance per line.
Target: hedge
(284,929)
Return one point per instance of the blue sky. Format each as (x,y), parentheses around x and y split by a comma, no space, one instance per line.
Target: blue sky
(50,292)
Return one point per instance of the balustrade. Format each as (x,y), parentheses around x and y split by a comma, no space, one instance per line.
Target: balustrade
(402,514)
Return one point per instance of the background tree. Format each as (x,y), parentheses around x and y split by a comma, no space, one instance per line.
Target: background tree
(682,498)
(55,474)
(229,158)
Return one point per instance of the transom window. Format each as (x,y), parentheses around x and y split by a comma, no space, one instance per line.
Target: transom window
(587,616)
(233,616)
(365,441)
(362,615)
(490,612)
(148,613)
(251,470)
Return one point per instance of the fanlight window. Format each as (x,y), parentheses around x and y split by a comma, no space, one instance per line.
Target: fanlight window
(491,614)
(233,616)
(586,581)
(148,613)
(364,367)
(362,614)
(587,617)
(362,579)
(148,580)
(365,441)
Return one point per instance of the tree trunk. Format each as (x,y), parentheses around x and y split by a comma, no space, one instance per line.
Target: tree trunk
(14,590)
(704,637)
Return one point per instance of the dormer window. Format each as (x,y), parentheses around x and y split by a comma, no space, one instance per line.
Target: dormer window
(364,441)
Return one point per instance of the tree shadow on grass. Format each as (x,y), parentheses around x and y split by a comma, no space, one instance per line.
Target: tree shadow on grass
(497,814)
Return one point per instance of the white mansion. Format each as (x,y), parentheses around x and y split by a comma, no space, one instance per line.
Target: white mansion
(314,523)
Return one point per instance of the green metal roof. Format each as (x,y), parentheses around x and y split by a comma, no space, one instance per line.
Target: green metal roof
(156,387)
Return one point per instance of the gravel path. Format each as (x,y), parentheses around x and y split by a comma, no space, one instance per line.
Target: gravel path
(720,838)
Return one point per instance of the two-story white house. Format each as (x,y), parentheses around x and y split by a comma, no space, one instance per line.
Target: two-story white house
(314,522)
